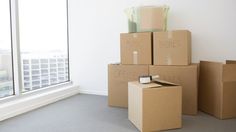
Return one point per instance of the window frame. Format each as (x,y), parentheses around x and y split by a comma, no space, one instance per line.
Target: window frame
(11,50)
(16,53)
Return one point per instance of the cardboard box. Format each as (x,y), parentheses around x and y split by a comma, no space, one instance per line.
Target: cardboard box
(155,106)
(217,89)
(152,18)
(187,77)
(118,78)
(172,47)
(136,48)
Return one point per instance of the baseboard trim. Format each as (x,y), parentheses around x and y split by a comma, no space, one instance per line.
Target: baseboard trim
(94,92)
(17,107)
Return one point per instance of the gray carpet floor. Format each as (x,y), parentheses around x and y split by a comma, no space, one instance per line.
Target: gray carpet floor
(90,113)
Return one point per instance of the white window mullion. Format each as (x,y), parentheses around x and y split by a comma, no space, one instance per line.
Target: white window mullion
(16,47)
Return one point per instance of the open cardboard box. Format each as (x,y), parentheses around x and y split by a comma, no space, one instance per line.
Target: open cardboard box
(217,89)
(155,106)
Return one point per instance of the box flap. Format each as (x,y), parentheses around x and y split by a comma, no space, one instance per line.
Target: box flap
(149,85)
(164,83)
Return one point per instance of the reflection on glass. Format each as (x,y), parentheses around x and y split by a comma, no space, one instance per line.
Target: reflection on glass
(43,39)
(6,83)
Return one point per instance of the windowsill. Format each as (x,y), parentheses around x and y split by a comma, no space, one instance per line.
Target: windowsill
(35,92)
(13,106)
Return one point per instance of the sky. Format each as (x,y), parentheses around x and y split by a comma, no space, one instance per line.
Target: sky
(41,28)
(5,35)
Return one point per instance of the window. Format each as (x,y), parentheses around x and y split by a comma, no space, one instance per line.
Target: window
(43,40)
(33,44)
(6,76)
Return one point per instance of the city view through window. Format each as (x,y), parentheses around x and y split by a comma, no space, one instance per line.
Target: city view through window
(43,45)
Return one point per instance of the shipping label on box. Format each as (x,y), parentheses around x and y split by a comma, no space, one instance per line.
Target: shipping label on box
(172,48)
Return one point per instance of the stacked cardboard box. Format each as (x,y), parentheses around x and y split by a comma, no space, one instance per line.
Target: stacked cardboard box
(136,48)
(172,62)
(136,52)
(136,56)
(147,18)
(172,47)
(187,77)
(163,53)
(151,50)
(118,77)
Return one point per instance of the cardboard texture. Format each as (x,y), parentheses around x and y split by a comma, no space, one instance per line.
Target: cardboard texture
(136,48)
(155,107)
(187,77)
(118,78)
(151,18)
(172,47)
(217,89)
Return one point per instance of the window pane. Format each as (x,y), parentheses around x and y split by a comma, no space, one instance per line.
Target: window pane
(6,83)
(43,39)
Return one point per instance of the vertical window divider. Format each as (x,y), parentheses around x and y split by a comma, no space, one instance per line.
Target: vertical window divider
(17,70)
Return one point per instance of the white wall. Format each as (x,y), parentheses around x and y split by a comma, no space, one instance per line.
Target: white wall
(95,26)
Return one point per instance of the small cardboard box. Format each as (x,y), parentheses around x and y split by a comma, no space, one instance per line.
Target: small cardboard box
(217,89)
(152,18)
(155,106)
(136,48)
(172,47)
(187,77)
(118,78)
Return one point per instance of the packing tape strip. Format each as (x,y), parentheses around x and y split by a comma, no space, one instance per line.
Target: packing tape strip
(169,34)
(168,57)
(135,57)
(169,60)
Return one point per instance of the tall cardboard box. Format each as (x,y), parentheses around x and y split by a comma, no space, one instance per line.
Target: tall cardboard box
(217,89)
(118,78)
(172,47)
(136,48)
(187,77)
(155,106)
